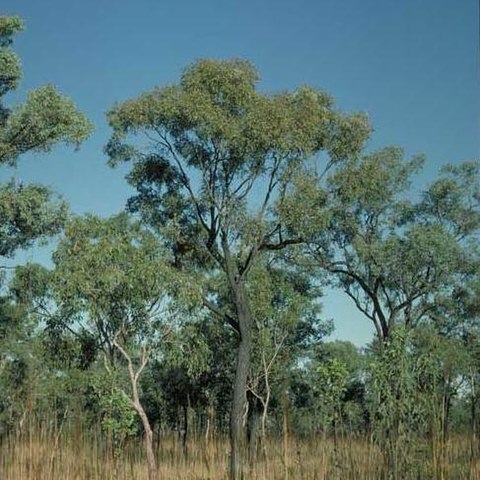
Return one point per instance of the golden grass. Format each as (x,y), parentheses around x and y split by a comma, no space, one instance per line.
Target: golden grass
(43,455)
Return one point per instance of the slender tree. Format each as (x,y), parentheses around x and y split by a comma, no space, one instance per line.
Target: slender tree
(283,301)
(112,275)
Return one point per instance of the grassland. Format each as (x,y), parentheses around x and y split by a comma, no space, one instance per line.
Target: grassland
(43,454)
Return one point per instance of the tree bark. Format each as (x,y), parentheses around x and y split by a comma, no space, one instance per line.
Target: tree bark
(265,404)
(151,464)
(241,373)
(253,422)
(135,402)
(447,404)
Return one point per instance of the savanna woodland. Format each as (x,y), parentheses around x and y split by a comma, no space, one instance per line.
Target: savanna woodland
(183,338)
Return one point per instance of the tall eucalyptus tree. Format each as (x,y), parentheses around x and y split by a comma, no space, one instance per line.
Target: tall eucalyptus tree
(212,156)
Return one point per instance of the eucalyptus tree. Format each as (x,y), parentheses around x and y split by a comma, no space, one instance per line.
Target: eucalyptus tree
(458,317)
(111,276)
(45,119)
(46,369)
(394,256)
(27,212)
(397,257)
(211,156)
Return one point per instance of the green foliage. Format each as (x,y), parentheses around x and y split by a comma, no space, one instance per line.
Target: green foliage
(10,67)
(214,122)
(328,390)
(371,182)
(28,213)
(332,383)
(189,350)
(453,199)
(19,360)
(280,292)
(217,100)
(115,272)
(44,120)
(8,27)
(304,207)
(29,283)
(32,212)
(394,372)
(411,382)
(118,416)
(394,402)
(394,257)
(285,306)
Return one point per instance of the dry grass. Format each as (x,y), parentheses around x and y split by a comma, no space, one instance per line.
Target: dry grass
(43,455)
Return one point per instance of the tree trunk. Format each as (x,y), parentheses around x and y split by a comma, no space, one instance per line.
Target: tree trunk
(253,421)
(265,404)
(241,373)
(447,405)
(473,421)
(135,402)
(285,435)
(185,432)
(151,464)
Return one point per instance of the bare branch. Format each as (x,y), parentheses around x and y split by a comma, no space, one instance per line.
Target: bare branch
(221,314)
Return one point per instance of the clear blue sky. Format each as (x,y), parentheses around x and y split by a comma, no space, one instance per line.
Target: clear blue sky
(413,65)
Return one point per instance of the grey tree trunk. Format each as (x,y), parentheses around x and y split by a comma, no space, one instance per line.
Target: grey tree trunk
(241,373)
(253,423)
